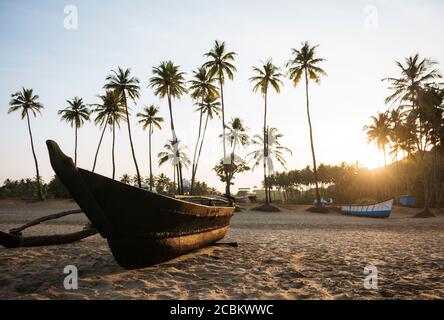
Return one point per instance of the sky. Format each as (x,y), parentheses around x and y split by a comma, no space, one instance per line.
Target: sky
(360,41)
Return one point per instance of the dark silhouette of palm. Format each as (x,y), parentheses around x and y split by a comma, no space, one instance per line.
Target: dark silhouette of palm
(149,119)
(126,86)
(379,132)
(75,114)
(220,65)
(265,76)
(109,112)
(25,101)
(169,82)
(201,85)
(304,63)
(210,107)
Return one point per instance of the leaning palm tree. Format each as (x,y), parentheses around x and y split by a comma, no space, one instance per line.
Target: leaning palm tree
(274,151)
(211,108)
(169,82)
(109,112)
(149,119)
(265,76)
(75,114)
(220,65)
(175,154)
(127,86)
(304,63)
(200,86)
(379,132)
(25,101)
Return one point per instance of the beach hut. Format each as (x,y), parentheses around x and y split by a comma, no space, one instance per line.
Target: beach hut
(406,201)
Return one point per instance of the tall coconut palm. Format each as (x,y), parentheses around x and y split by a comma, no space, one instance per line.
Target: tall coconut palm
(149,119)
(379,132)
(127,86)
(305,63)
(25,101)
(175,154)
(220,65)
(200,86)
(109,112)
(210,107)
(265,76)
(75,114)
(168,81)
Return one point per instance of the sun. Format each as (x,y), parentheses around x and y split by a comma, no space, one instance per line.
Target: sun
(371,158)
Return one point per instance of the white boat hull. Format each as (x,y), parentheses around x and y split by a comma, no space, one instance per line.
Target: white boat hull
(381,209)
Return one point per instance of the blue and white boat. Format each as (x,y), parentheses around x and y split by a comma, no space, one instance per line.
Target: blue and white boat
(377,210)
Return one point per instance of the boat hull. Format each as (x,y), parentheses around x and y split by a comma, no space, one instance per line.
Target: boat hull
(378,210)
(142,228)
(142,252)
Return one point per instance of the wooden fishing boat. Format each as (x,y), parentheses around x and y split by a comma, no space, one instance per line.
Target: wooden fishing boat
(377,210)
(142,227)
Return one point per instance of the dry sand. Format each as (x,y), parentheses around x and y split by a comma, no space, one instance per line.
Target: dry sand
(289,255)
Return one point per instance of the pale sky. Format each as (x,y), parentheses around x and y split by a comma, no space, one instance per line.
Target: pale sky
(360,40)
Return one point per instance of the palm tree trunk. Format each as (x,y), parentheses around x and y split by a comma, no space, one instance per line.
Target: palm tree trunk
(151,165)
(267,200)
(386,185)
(139,182)
(113,153)
(39,188)
(175,140)
(201,143)
(170,108)
(193,169)
(318,197)
(100,142)
(181,178)
(227,186)
(174,175)
(75,146)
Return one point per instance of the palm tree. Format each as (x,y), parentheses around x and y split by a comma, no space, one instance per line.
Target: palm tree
(273,151)
(75,114)
(237,134)
(125,85)
(267,75)
(220,66)
(200,86)
(26,102)
(169,82)
(379,132)
(304,63)
(125,179)
(210,107)
(109,112)
(149,119)
(175,154)
(417,75)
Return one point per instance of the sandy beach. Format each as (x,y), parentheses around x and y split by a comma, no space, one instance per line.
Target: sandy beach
(289,255)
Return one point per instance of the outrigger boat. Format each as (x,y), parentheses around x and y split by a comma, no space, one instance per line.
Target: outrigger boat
(142,227)
(377,210)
